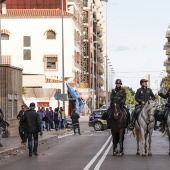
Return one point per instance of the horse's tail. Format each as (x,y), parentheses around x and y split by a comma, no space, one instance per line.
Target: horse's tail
(134,133)
(165,133)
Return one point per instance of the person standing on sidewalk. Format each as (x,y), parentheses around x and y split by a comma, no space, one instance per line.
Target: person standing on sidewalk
(3,125)
(62,118)
(56,110)
(32,123)
(51,117)
(42,114)
(75,121)
(22,131)
(47,121)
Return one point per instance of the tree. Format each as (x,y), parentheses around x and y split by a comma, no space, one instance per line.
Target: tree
(165,83)
(130,95)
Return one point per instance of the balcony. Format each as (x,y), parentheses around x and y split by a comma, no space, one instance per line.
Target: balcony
(168,33)
(168,51)
(167,45)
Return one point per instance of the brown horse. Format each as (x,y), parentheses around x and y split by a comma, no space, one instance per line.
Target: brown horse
(117,122)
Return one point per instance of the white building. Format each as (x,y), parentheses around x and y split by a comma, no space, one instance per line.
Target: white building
(32,40)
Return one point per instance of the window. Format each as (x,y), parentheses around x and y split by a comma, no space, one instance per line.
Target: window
(4,36)
(51,35)
(51,62)
(27,54)
(27,41)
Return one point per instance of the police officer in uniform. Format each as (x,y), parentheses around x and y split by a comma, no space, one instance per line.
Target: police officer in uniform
(143,94)
(118,96)
(167,107)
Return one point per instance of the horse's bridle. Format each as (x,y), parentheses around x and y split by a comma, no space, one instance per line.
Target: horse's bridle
(146,121)
(114,106)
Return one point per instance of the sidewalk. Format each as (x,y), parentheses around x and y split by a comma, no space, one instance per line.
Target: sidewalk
(84,118)
(12,145)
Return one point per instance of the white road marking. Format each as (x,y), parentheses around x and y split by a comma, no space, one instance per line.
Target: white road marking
(59,137)
(87,131)
(97,155)
(103,157)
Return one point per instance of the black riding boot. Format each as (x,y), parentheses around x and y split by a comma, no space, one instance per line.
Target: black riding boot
(132,122)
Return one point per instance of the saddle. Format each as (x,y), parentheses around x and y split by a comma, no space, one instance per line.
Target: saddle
(138,110)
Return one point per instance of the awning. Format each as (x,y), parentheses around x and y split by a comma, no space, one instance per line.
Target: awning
(33,80)
(74,94)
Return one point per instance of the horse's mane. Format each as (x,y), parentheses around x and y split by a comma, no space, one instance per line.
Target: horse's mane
(149,105)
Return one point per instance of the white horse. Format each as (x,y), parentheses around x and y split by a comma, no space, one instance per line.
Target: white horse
(144,127)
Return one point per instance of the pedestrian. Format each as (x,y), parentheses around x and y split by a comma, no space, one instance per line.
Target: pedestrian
(75,121)
(51,118)
(59,120)
(56,110)
(42,114)
(62,117)
(22,131)
(32,123)
(47,121)
(3,125)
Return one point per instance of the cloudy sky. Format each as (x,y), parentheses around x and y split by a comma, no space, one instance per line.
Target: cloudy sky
(136,36)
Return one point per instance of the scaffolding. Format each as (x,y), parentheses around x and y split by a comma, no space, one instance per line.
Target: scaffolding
(84,41)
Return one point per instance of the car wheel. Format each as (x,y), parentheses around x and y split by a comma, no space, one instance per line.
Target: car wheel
(97,126)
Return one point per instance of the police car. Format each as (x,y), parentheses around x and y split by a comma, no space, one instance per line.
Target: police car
(96,121)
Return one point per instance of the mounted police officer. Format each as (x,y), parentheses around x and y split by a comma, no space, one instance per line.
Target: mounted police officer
(118,96)
(167,107)
(143,94)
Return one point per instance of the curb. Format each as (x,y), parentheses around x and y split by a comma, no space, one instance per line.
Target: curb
(13,151)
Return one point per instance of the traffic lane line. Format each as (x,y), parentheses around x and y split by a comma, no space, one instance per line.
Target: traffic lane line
(97,155)
(103,157)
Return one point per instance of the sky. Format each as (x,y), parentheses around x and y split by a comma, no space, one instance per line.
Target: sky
(136,32)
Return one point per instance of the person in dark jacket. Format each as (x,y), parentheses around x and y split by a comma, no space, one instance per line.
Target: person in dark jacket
(56,121)
(32,123)
(75,121)
(118,96)
(3,125)
(47,121)
(167,107)
(142,95)
(22,131)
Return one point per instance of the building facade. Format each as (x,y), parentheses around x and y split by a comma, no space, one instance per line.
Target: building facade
(35,44)
(167,48)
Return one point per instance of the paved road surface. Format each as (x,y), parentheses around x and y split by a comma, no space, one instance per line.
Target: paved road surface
(91,150)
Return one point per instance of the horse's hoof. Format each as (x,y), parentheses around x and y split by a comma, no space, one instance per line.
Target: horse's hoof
(143,155)
(114,154)
(120,154)
(137,153)
(169,153)
(149,154)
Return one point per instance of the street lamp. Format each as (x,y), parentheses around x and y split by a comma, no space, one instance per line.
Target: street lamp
(63,80)
(106,59)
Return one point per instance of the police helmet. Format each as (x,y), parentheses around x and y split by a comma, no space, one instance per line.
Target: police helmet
(143,80)
(118,81)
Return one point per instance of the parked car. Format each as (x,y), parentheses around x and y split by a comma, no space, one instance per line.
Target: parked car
(96,121)
(104,107)
(68,122)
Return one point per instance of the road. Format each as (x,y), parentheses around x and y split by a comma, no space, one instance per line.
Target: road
(91,150)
